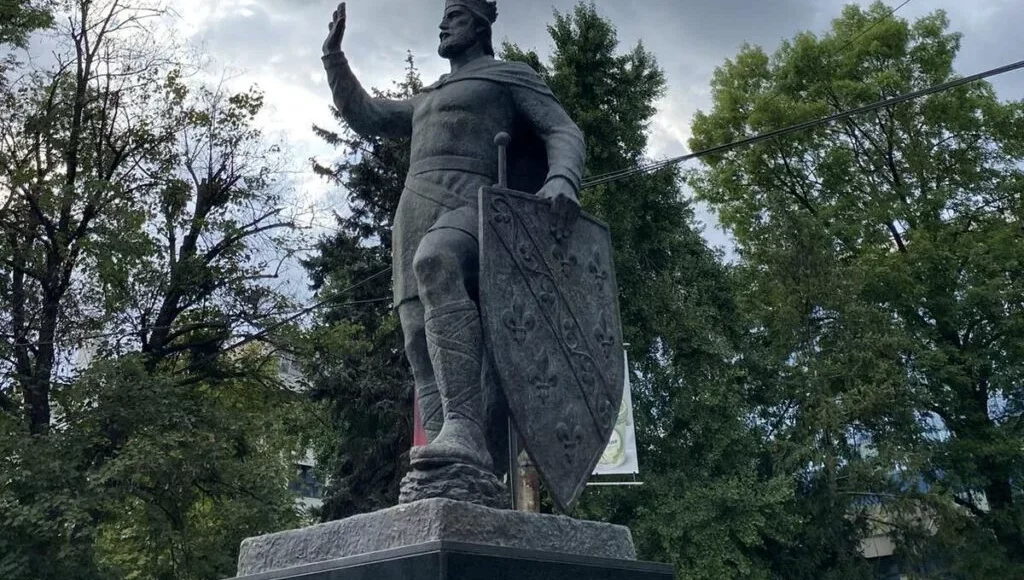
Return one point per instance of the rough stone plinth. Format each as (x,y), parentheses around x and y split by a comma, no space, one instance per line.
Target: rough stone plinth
(459,482)
(435,520)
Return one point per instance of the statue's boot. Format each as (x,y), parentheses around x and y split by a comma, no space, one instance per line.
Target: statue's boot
(455,343)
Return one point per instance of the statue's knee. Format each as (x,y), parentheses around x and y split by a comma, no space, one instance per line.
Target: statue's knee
(434,266)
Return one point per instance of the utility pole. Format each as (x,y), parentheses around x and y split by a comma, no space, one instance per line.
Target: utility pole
(525,481)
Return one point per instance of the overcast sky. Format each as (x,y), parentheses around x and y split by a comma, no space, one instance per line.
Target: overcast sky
(275,44)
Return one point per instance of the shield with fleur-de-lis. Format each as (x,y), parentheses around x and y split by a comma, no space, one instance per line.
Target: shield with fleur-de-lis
(551,321)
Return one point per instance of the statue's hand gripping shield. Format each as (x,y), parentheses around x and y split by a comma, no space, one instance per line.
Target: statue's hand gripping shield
(551,322)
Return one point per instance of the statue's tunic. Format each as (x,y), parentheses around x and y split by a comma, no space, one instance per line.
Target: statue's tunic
(452,125)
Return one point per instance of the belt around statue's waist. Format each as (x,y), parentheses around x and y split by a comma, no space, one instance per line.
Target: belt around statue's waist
(454,163)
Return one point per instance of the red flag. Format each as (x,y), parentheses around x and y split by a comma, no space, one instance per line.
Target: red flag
(419,436)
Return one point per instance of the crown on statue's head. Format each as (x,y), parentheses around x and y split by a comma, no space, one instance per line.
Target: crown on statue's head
(483,9)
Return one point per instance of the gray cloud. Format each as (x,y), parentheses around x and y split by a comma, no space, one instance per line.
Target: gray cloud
(689,38)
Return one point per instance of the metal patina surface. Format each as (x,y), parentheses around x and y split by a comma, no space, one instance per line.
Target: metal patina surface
(550,311)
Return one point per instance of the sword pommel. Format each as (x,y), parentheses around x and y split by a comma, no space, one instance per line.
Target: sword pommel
(502,140)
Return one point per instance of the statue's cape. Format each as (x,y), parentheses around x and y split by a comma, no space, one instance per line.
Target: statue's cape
(499,71)
(527,154)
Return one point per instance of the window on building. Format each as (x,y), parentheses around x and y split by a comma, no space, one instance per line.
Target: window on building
(305,483)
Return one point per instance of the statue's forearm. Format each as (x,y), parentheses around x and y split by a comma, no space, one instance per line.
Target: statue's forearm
(366,115)
(344,85)
(566,153)
(563,140)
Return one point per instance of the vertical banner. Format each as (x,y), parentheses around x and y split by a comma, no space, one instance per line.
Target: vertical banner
(619,457)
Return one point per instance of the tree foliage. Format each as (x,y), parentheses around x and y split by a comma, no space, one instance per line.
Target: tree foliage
(705,505)
(881,283)
(19,18)
(141,432)
(201,467)
(357,348)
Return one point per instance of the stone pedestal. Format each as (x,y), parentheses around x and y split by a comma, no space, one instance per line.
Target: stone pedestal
(448,540)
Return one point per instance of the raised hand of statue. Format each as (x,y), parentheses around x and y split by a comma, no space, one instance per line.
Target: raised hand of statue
(336,31)
(564,205)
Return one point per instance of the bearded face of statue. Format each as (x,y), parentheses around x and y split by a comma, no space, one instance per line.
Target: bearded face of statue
(460,31)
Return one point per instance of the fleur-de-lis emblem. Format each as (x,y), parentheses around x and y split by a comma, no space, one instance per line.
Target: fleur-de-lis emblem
(541,377)
(567,262)
(605,412)
(586,364)
(501,212)
(518,320)
(547,294)
(587,371)
(604,336)
(570,438)
(569,332)
(525,251)
(599,272)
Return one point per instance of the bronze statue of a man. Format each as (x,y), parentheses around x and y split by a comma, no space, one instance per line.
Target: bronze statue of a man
(452,125)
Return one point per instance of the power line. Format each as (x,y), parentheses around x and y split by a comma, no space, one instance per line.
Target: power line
(296,314)
(775,95)
(807,124)
(309,309)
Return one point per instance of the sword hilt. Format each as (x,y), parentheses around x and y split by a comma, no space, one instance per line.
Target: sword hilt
(502,140)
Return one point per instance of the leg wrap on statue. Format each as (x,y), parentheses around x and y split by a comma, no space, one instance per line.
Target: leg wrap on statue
(456,464)
(455,343)
(427,395)
(431,410)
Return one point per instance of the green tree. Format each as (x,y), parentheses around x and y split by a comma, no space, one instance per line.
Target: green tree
(135,211)
(357,348)
(142,228)
(19,18)
(202,466)
(60,134)
(179,501)
(706,506)
(881,284)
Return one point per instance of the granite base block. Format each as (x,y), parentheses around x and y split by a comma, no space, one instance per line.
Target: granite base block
(457,561)
(431,521)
